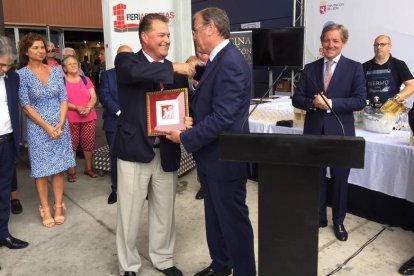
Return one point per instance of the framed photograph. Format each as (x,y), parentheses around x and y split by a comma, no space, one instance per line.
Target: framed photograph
(166,110)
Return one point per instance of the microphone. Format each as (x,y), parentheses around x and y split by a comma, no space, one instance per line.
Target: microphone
(318,91)
(265,94)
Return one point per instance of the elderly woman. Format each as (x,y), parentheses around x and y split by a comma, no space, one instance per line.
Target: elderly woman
(51,54)
(43,98)
(81,114)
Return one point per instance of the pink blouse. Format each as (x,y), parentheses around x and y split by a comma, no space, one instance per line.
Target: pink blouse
(78,94)
(52,63)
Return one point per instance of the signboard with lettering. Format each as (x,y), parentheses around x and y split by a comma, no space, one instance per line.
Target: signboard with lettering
(243,41)
(121,22)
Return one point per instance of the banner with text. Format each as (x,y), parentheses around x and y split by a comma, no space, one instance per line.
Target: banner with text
(121,20)
(243,41)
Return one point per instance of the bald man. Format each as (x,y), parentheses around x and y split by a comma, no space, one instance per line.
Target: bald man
(385,74)
(124,49)
(108,95)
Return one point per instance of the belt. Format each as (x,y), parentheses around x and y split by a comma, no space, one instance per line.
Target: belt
(6,137)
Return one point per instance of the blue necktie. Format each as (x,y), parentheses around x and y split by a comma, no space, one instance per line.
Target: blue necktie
(208,63)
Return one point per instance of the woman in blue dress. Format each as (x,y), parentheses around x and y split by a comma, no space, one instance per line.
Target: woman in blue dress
(43,98)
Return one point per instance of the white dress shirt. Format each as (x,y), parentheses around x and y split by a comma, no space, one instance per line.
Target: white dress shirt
(5,121)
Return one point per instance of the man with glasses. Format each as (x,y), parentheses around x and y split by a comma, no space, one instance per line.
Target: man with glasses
(385,74)
(9,138)
(221,104)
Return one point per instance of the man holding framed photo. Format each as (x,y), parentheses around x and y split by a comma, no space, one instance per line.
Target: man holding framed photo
(147,166)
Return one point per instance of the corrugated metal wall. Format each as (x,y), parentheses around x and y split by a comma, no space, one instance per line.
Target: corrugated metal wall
(69,13)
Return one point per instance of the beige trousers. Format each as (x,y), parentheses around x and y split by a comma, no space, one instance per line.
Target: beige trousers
(135,182)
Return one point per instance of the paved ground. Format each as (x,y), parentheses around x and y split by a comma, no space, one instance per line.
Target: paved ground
(85,244)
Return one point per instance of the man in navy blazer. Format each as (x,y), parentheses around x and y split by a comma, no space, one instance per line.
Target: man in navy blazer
(146,165)
(108,96)
(221,104)
(345,92)
(9,139)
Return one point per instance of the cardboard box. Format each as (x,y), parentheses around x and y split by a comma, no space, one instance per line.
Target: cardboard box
(283,85)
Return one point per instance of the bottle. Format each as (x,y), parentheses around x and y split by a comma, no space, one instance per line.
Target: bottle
(377,105)
(368,108)
(388,105)
(398,108)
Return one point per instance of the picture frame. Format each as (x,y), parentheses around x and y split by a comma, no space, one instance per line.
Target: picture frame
(166,110)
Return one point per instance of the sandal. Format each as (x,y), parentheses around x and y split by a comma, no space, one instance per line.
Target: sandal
(71,175)
(59,219)
(91,173)
(47,222)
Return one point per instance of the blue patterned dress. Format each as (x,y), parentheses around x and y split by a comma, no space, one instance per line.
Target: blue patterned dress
(47,156)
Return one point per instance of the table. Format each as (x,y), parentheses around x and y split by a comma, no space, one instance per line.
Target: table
(389,171)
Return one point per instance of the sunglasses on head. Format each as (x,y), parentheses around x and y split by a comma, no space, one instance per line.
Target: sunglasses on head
(51,51)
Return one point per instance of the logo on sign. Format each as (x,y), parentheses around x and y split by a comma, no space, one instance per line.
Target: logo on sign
(120,24)
(322,7)
(129,22)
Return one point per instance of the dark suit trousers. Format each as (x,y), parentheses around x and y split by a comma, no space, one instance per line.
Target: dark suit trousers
(228,227)
(114,174)
(14,181)
(339,178)
(7,167)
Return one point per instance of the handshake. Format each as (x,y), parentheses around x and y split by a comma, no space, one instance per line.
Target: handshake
(188,68)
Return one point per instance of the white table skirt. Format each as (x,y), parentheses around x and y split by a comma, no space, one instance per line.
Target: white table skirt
(389,160)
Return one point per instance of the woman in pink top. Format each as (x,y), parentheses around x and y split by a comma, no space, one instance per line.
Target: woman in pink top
(81,114)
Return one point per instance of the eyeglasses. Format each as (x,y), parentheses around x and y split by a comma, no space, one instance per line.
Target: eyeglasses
(51,51)
(376,45)
(195,29)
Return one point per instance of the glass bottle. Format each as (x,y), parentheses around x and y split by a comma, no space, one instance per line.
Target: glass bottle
(377,105)
(368,107)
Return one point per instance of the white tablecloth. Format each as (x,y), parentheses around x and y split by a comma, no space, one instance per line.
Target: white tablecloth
(389,160)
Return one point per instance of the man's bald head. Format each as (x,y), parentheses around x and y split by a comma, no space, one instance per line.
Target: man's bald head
(124,49)
(384,37)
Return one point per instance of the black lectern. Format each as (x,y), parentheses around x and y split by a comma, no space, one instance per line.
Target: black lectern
(289,176)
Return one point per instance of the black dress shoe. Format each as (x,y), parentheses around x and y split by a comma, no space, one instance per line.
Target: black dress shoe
(407,268)
(16,206)
(13,243)
(323,223)
(172,271)
(112,198)
(208,271)
(340,232)
(199,195)
(129,273)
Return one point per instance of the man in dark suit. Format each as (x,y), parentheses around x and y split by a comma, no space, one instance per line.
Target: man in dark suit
(108,95)
(146,165)
(343,81)
(221,104)
(9,139)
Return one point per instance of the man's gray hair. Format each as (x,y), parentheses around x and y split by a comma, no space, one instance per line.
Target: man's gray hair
(7,47)
(218,17)
(67,49)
